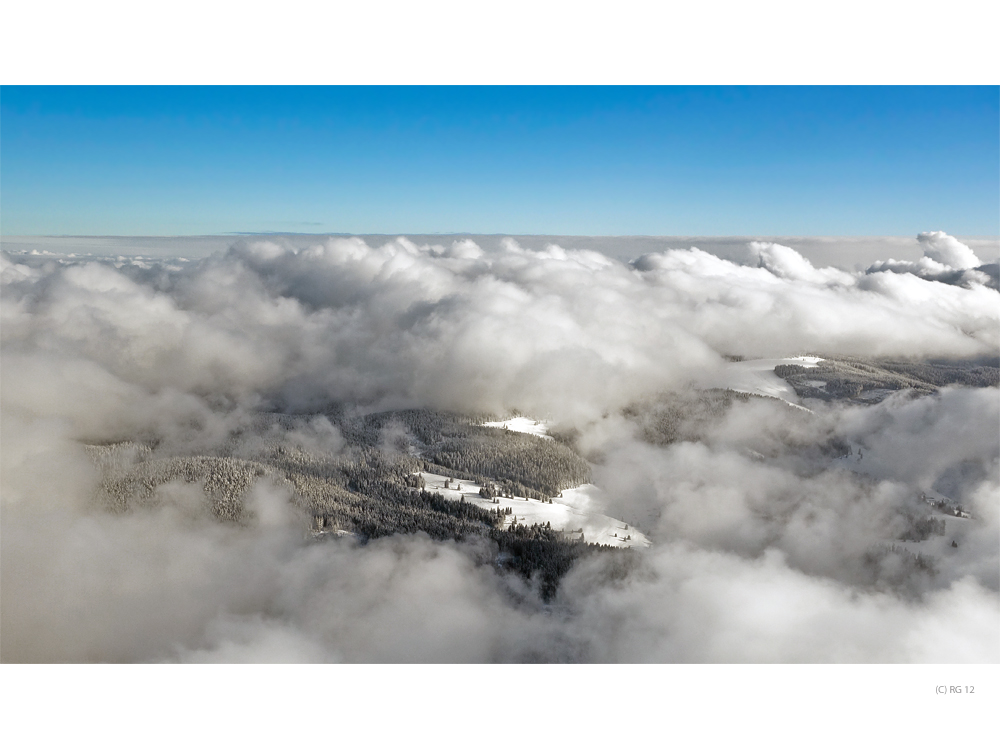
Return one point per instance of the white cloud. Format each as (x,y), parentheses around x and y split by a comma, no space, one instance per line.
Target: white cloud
(948,251)
(946,260)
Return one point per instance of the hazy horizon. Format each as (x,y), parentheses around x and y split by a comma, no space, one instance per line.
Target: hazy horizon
(844,252)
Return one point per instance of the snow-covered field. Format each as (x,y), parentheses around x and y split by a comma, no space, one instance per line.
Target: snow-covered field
(573,513)
(757,376)
(539,428)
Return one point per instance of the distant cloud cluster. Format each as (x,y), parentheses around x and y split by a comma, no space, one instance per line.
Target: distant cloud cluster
(756,539)
(946,260)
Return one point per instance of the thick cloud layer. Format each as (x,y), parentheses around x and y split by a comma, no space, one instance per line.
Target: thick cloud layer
(765,549)
(555,330)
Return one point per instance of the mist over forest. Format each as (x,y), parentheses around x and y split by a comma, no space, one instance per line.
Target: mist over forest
(224,458)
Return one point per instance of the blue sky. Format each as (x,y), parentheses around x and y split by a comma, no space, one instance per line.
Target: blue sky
(518,160)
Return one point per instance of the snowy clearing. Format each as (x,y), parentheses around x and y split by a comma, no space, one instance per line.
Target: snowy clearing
(538,428)
(756,376)
(570,513)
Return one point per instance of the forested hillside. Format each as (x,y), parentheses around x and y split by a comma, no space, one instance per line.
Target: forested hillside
(872,380)
(370,487)
(534,467)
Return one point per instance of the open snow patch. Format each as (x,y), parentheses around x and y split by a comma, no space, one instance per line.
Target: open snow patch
(756,376)
(538,428)
(572,514)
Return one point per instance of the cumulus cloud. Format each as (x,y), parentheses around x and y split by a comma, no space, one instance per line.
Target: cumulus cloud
(542,330)
(948,251)
(767,546)
(945,260)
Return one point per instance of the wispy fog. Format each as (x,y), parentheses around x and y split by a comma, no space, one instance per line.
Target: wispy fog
(771,542)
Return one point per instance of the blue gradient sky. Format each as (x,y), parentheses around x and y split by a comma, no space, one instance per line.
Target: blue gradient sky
(538,160)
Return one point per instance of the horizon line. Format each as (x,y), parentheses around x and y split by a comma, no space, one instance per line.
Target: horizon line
(476,234)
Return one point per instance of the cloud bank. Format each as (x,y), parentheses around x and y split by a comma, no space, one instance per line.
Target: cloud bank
(766,547)
(946,260)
